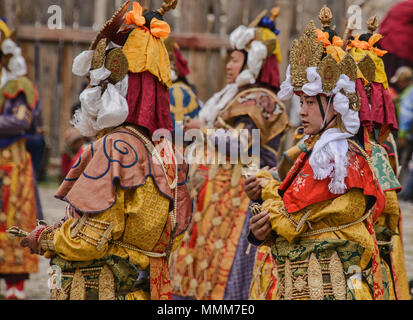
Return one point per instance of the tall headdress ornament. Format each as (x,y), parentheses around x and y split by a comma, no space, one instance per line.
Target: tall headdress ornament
(372,24)
(325,16)
(167,5)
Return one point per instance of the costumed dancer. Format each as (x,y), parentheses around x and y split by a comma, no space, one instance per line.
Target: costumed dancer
(379,125)
(265,272)
(320,220)
(213,262)
(122,220)
(19,200)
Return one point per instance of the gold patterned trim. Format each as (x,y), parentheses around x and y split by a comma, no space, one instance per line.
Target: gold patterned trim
(78,289)
(349,67)
(60,294)
(99,54)
(338,281)
(315,279)
(118,65)
(288,286)
(80,226)
(304,220)
(106,284)
(285,213)
(323,277)
(131,247)
(333,229)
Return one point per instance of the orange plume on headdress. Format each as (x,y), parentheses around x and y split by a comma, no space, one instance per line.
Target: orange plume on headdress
(323,37)
(158,28)
(356,43)
(135,16)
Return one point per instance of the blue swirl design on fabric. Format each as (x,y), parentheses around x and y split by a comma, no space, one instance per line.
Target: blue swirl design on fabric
(77,163)
(121,146)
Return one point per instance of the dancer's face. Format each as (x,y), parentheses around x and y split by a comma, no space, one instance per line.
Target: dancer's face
(310,115)
(234,66)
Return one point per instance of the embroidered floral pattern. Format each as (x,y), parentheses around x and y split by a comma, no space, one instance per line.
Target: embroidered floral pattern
(299,182)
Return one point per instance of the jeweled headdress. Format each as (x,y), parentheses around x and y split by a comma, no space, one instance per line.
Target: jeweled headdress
(113,59)
(308,53)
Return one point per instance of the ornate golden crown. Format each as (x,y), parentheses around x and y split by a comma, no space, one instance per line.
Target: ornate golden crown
(308,52)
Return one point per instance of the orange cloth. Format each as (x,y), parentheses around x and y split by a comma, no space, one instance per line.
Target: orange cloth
(159,28)
(135,16)
(323,37)
(150,55)
(356,43)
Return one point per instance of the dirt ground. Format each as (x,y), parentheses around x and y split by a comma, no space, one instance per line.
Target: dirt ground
(36,287)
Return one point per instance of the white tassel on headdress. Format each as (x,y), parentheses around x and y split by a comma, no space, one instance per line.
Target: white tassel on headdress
(329,156)
(17,65)
(257,53)
(99,111)
(286,89)
(216,103)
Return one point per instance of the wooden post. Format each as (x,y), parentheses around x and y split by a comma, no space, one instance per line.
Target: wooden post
(67,88)
(2,9)
(9,12)
(285,23)
(100,12)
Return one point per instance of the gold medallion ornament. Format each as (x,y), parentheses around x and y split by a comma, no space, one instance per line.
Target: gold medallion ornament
(367,68)
(99,54)
(330,72)
(349,67)
(117,64)
(305,53)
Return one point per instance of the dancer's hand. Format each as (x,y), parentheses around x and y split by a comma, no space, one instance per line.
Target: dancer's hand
(252,188)
(31,241)
(193,124)
(260,225)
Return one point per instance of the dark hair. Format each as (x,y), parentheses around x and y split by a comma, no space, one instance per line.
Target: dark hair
(366,37)
(151,15)
(245,53)
(331,33)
